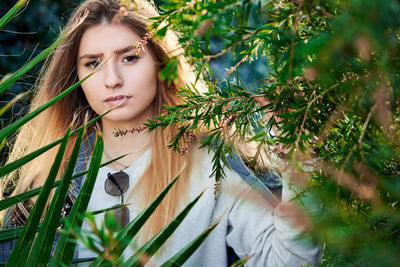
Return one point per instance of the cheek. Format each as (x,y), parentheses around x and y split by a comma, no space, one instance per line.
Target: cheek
(152,91)
(145,83)
(91,96)
(85,90)
(80,72)
(153,78)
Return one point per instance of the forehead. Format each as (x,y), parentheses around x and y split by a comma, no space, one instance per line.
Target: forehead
(106,38)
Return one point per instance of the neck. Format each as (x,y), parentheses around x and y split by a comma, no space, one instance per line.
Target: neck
(133,144)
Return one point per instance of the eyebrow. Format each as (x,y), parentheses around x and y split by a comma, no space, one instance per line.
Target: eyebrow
(116,52)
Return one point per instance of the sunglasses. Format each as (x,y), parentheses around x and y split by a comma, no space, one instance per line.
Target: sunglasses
(116,185)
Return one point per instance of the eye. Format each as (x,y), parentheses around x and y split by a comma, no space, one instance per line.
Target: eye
(130,58)
(92,64)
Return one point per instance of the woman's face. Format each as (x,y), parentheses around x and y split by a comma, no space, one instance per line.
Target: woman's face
(126,81)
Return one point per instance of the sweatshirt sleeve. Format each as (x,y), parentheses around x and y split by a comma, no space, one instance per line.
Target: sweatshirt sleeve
(266,234)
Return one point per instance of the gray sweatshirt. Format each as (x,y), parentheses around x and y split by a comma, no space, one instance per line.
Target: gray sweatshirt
(251,226)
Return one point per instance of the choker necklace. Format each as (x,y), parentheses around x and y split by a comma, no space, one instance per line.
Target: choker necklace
(110,157)
(119,132)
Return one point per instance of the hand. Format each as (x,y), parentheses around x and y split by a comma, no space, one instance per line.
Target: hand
(280,151)
(296,169)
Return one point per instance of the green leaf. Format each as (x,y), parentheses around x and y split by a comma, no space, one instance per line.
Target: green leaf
(14,77)
(19,255)
(10,103)
(2,143)
(91,213)
(66,244)
(151,247)
(43,243)
(241,262)
(21,161)
(25,159)
(12,12)
(170,72)
(8,202)
(128,233)
(6,131)
(161,32)
(80,260)
(13,233)
(181,257)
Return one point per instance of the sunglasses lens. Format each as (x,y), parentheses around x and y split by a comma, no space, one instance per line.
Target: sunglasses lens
(122,215)
(116,184)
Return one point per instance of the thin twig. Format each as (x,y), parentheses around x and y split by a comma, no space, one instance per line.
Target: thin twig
(331,121)
(232,69)
(232,46)
(209,57)
(228,99)
(366,125)
(296,21)
(309,107)
(305,117)
(359,143)
(260,80)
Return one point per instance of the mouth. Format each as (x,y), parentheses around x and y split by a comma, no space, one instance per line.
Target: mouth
(114,101)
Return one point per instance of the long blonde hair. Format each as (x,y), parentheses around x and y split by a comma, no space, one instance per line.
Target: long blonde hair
(60,73)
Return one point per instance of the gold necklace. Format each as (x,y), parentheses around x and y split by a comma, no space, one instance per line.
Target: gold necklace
(110,157)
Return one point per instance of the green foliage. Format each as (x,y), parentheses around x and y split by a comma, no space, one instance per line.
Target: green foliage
(331,92)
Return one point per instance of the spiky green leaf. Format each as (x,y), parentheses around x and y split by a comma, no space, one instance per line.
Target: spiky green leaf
(43,243)
(181,257)
(66,244)
(129,232)
(12,12)
(22,247)
(151,247)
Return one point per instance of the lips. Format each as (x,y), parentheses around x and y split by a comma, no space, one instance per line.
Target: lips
(113,101)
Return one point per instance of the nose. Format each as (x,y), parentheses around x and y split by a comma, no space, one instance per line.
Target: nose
(113,78)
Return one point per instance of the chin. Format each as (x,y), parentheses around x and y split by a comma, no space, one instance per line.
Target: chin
(122,117)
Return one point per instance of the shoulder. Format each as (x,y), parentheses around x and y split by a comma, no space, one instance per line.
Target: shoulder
(203,172)
(204,160)
(235,172)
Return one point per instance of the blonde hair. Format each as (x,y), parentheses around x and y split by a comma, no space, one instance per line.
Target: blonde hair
(60,72)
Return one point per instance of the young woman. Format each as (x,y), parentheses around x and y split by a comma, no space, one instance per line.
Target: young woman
(105,37)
